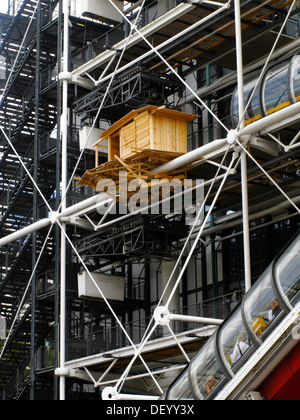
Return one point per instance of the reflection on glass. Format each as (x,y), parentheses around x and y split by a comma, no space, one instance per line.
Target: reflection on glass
(206,374)
(244,331)
(180,390)
(253,110)
(260,305)
(275,92)
(295,78)
(287,270)
(234,340)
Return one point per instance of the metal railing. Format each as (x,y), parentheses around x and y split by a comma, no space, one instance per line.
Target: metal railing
(108,337)
(117,33)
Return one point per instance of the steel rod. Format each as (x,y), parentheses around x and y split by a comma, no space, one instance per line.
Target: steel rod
(64,168)
(244,176)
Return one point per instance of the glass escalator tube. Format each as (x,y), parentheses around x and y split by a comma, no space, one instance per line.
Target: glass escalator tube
(279,88)
(203,378)
(287,273)
(294,76)
(263,308)
(271,298)
(235,344)
(275,88)
(181,388)
(207,375)
(253,112)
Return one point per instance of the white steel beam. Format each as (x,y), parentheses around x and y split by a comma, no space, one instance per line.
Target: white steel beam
(192,156)
(150,346)
(196,319)
(80,208)
(177,368)
(175,13)
(230,79)
(163,317)
(41,224)
(291,113)
(278,120)
(148,30)
(64,183)
(244,172)
(110,394)
(102,199)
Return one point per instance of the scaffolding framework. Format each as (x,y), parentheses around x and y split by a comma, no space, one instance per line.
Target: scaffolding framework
(188,57)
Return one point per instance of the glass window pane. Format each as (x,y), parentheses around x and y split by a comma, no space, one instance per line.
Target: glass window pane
(295,78)
(234,341)
(275,89)
(253,110)
(262,306)
(287,270)
(205,372)
(180,390)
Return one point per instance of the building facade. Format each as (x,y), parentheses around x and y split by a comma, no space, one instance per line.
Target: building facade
(83,280)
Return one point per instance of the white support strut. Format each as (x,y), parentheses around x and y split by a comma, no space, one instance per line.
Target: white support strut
(163,317)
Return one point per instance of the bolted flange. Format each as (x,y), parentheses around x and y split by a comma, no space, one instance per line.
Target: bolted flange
(162,316)
(109,393)
(232,136)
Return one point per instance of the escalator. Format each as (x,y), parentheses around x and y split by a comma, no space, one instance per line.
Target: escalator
(258,341)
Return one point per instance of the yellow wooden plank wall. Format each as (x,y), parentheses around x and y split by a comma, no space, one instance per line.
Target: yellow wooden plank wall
(168,134)
(149,131)
(127,140)
(113,147)
(142,126)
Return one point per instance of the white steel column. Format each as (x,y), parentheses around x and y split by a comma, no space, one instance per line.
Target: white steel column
(244,178)
(64,125)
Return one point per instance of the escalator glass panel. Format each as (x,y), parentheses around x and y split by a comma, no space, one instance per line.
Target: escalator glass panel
(180,390)
(206,374)
(234,341)
(287,270)
(253,110)
(295,78)
(262,306)
(275,94)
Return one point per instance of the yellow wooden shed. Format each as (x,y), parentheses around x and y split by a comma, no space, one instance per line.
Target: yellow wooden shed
(149,128)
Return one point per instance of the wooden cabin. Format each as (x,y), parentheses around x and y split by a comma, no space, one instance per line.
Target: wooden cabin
(149,128)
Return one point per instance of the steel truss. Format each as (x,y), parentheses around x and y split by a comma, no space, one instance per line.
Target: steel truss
(135,239)
(134,89)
